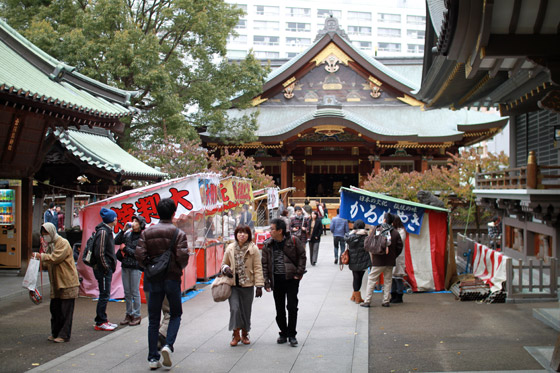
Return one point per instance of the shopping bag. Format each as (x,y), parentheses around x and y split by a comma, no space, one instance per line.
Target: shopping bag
(30,279)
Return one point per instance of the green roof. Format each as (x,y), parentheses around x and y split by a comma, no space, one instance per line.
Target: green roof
(26,71)
(393,199)
(101,151)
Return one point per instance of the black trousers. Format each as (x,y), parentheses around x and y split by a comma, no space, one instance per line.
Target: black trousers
(286,290)
(358,276)
(62,311)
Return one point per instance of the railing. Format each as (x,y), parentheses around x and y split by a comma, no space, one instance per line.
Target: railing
(533,281)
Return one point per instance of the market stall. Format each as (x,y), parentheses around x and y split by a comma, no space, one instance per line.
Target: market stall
(427,242)
(267,203)
(198,197)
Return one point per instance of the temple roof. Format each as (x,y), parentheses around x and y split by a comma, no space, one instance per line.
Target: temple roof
(97,148)
(32,76)
(491,54)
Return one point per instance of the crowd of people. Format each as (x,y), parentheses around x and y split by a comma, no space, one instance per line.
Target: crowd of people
(278,268)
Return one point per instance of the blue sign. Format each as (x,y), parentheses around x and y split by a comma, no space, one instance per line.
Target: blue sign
(355,205)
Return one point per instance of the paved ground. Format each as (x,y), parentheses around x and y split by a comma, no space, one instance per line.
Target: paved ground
(428,333)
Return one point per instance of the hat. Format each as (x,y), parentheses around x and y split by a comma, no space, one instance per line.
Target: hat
(108,216)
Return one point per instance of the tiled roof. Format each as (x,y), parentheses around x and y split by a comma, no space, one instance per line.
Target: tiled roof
(28,72)
(101,151)
(381,120)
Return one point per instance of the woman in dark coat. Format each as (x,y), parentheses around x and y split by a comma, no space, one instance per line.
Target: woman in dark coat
(359,258)
(315,229)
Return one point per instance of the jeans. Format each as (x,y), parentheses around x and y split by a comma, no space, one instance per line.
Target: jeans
(286,290)
(158,291)
(131,285)
(104,284)
(338,242)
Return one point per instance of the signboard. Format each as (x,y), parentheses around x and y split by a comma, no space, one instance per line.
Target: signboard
(354,206)
(235,192)
(272,198)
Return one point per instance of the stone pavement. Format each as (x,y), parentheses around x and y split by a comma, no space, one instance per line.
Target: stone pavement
(332,334)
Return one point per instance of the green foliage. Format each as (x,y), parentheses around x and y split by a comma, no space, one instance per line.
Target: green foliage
(171,52)
(237,164)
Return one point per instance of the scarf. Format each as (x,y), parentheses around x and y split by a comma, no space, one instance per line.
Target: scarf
(239,256)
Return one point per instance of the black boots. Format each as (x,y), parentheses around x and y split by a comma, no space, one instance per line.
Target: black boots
(396,298)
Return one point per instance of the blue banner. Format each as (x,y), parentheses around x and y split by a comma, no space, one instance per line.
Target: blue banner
(355,205)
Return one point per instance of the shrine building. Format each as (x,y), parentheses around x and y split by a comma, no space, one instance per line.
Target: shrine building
(331,115)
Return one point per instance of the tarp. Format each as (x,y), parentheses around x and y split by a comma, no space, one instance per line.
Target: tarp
(199,193)
(425,249)
(489,266)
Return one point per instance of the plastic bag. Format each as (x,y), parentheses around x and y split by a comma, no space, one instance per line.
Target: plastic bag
(30,279)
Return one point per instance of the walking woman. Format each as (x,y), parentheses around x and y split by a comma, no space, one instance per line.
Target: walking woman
(59,261)
(131,272)
(242,260)
(315,229)
(359,258)
(397,287)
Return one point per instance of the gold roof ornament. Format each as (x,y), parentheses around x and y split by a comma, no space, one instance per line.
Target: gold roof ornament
(329,130)
(334,50)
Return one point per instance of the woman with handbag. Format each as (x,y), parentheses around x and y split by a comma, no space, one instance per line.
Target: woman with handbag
(315,231)
(59,261)
(359,258)
(242,261)
(131,272)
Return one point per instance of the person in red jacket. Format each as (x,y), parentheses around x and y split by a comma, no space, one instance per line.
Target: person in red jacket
(153,242)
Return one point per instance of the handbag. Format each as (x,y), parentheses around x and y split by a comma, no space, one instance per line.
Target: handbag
(344,258)
(221,288)
(156,269)
(326,221)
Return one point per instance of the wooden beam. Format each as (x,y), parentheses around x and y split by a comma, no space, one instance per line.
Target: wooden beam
(540,17)
(497,64)
(514,16)
(522,45)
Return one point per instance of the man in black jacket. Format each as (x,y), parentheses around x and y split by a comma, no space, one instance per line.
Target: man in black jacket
(153,242)
(105,265)
(283,259)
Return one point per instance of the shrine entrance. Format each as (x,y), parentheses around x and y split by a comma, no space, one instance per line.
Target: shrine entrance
(327,185)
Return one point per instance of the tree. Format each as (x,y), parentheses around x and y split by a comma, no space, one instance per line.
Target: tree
(171,52)
(456,181)
(237,164)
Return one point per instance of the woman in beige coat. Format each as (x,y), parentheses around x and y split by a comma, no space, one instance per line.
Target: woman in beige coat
(242,261)
(59,261)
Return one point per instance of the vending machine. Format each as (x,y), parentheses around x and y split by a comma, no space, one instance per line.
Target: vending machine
(10,224)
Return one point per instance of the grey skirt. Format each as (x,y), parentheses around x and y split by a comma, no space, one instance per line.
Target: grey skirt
(240,304)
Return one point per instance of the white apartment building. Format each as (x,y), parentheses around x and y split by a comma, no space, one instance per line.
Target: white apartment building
(273,30)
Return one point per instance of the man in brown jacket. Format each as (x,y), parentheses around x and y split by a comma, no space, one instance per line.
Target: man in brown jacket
(283,259)
(153,242)
(384,263)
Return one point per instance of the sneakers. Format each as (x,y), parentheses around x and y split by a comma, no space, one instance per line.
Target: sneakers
(106,326)
(293,341)
(364,304)
(166,352)
(154,364)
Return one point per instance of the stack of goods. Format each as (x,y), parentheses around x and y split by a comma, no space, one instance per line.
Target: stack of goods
(470,288)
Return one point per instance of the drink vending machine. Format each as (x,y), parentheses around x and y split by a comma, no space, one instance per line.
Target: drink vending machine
(10,224)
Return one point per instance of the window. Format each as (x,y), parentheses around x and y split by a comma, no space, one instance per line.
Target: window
(389,32)
(291,54)
(415,34)
(298,12)
(415,48)
(359,16)
(389,47)
(389,18)
(265,54)
(240,39)
(263,10)
(416,20)
(324,13)
(266,25)
(363,45)
(298,27)
(266,40)
(359,30)
(243,7)
(298,42)
(236,54)
(242,24)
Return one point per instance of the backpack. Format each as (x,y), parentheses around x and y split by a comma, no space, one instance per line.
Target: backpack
(378,241)
(88,258)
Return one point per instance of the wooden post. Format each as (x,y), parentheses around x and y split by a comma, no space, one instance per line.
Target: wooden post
(509,279)
(532,170)
(69,212)
(26,222)
(555,361)
(424,164)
